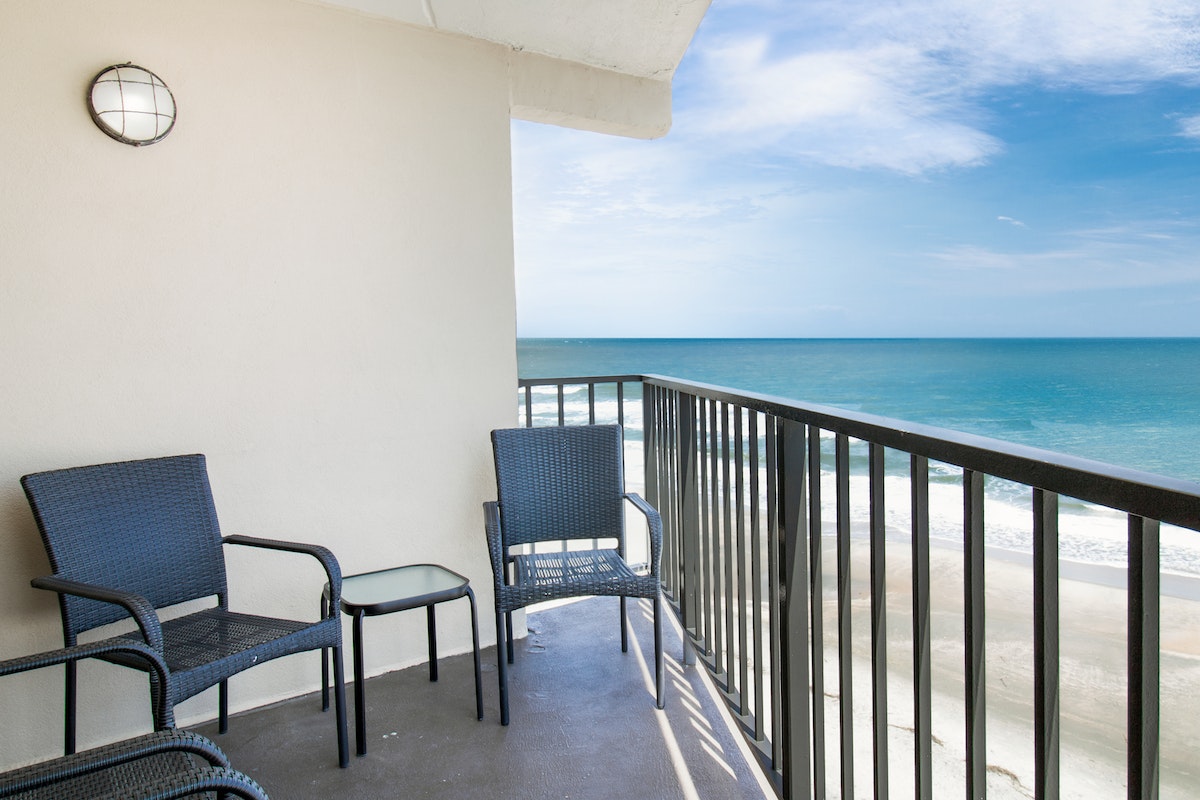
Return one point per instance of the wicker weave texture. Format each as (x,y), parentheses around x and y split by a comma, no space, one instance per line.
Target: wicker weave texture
(148,527)
(131,537)
(559,483)
(563,483)
(165,764)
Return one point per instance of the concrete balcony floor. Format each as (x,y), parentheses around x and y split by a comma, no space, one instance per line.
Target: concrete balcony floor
(584,725)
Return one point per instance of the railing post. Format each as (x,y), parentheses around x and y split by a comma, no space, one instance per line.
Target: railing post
(841,456)
(1143,658)
(816,610)
(922,678)
(797,764)
(689,522)
(1045,645)
(973,635)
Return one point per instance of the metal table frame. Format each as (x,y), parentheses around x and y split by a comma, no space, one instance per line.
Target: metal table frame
(370,594)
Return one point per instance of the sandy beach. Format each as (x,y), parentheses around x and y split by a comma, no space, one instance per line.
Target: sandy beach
(1093,684)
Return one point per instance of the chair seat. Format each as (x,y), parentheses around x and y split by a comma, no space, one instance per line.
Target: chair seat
(549,576)
(208,646)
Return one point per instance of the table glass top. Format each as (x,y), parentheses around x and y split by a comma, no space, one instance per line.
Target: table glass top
(389,585)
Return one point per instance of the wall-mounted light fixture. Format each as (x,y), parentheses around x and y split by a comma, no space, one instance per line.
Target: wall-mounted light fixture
(131,104)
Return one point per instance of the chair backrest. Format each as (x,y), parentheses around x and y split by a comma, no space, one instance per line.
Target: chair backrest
(558,483)
(147,527)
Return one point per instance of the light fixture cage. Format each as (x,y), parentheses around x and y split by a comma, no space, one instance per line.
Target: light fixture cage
(131,104)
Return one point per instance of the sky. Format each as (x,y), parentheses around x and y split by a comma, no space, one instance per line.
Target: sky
(884,168)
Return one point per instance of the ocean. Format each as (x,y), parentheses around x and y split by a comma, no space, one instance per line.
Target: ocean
(1129,402)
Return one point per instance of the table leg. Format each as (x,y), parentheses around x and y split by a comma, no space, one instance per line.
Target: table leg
(432,624)
(360,689)
(475,645)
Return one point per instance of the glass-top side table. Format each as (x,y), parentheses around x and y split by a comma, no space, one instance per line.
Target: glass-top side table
(385,592)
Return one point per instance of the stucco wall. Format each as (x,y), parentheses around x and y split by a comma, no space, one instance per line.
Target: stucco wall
(310,280)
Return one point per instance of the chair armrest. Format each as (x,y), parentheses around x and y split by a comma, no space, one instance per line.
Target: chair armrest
(224,781)
(333,569)
(138,607)
(654,523)
(163,712)
(171,784)
(495,542)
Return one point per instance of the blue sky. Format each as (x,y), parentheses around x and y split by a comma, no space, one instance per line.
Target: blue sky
(903,168)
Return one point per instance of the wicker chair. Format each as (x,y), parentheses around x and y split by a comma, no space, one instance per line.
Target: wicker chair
(564,484)
(129,538)
(164,764)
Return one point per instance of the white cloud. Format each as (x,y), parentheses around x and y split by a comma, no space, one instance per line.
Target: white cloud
(856,109)
(1011,221)
(897,86)
(1190,127)
(1134,256)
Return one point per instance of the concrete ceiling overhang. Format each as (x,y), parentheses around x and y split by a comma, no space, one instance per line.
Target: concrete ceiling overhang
(603,65)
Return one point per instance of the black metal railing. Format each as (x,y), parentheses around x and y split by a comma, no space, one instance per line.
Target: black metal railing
(751,486)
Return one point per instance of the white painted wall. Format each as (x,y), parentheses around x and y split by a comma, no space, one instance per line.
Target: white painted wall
(310,280)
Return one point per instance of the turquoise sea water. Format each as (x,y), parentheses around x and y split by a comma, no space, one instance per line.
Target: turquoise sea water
(1130,402)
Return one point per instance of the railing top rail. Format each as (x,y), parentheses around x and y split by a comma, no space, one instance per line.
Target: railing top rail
(578,381)
(1145,494)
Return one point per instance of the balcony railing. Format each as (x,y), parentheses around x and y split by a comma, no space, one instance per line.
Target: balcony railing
(754,489)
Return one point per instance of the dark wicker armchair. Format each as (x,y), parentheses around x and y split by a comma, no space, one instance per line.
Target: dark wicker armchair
(564,484)
(128,538)
(164,764)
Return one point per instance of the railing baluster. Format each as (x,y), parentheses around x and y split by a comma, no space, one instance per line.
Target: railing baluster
(845,649)
(774,568)
(755,579)
(706,533)
(670,502)
(740,550)
(1143,646)
(797,773)
(562,418)
(922,689)
(689,521)
(879,710)
(727,530)
(817,610)
(528,406)
(650,444)
(718,550)
(973,635)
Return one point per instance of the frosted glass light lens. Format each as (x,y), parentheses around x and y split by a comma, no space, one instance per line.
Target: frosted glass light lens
(131,104)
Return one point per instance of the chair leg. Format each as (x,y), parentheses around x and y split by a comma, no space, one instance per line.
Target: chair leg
(339,701)
(69,704)
(658,651)
(223,707)
(324,662)
(508,627)
(624,628)
(501,666)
